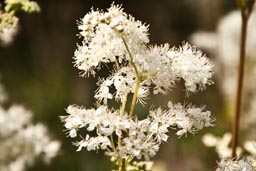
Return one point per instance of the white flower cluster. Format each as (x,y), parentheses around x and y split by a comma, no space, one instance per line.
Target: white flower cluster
(236,165)
(223,150)
(139,137)
(221,144)
(21,141)
(8,28)
(116,38)
(9,22)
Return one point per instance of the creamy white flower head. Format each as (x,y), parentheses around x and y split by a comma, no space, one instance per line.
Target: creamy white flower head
(94,143)
(102,119)
(123,81)
(156,67)
(189,119)
(103,33)
(235,165)
(192,66)
(142,138)
(115,37)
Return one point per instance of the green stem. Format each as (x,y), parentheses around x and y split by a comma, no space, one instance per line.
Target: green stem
(112,142)
(131,57)
(122,114)
(134,98)
(139,79)
(123,106)
(122,165)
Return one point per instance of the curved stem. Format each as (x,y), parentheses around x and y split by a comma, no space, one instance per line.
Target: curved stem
(134,98)
(112,142)
(123,167)
(139,79)
(235,129)
(123,106)
(122,114)
(131,57)
(123,163)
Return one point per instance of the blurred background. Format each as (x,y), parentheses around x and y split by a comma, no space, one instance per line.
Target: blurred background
(37,72)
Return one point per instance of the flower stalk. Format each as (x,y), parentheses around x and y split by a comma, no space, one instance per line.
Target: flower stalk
(245,14)
(134,98)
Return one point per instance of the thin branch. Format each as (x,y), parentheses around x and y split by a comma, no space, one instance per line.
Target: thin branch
(238,102)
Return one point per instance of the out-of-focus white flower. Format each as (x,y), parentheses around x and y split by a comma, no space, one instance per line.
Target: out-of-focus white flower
(8,28)
(224,45)
(221,144)
(7,35)
(17,165)
(250,146)
(249,120)
(11,119)
(235,165)
(24,5)
(210,140)
(8,20)
(205,40)
(159,166)
(21,141)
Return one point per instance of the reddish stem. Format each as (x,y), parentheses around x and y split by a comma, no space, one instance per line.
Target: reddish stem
(235,129)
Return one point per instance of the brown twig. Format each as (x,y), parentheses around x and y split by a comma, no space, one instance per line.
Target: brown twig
(245,13)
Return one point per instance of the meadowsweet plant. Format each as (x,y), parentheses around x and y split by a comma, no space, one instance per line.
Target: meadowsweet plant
(9,21)
(116,38)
